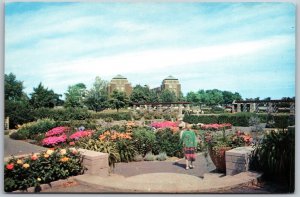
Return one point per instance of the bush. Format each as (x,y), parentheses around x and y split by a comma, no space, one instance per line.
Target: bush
(138,158)
(31,171)
(168,142)
(34,128)
(149,157)
(64,114)
(112,115)
(126,150)
(18,136)
(239,119)
(275,156)
(144,140)
(161,156)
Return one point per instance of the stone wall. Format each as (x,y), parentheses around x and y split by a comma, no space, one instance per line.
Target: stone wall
(237,160)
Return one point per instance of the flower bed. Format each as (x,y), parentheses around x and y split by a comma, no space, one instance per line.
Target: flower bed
(165,124)
(81,134)
(216,127)
(56,131)
(31,171)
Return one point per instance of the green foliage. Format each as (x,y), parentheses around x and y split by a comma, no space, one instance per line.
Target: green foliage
(30,130)
(63,114)
(97,97)
(19,135)
(161,156)
(45,169)
(75,96)
(275,156)
(113,115)
(42,97)
(167,96)
(126,150)
(239,119)
(19,112)
(13,89)
(118,100)
(140,94)
(101,146)
(138,158)
(149,157)
(144,140)
(168,142)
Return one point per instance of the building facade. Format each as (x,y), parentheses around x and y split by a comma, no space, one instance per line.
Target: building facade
(172,84)
(121,84)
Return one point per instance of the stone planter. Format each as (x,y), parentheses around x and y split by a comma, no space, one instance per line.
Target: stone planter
(217,156)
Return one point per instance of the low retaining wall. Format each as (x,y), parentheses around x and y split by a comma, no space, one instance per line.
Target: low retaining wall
(237,160)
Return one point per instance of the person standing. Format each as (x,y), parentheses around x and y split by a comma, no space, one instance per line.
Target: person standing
(189,141)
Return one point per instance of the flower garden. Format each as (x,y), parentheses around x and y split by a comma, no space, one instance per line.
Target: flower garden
(126,142)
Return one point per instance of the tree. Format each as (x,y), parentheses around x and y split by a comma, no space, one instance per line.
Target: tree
(193,98)
(118,100)
(215,97)
(167,96)
(17,106)
(42,97)
(97,98)
(140,94)
(12,87)
(229,97)
(75,95)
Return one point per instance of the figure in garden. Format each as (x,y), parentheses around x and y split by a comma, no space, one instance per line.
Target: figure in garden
(189,142)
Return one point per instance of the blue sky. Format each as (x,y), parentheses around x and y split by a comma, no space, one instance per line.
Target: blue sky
(240,47)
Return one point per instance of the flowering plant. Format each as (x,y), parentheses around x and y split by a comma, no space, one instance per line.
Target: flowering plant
(54,140)
(164,124)
(44,167)
(81,134)
(215,127)
(56,131)
(114,135)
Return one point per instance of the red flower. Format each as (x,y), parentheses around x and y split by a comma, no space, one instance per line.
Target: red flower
(72,143)
(10,166)
(34,157)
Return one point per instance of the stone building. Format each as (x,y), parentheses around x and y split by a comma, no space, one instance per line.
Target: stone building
(172,84)
(121,84)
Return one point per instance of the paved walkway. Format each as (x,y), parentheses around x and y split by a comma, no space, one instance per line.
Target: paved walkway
(146,177)
(19,147)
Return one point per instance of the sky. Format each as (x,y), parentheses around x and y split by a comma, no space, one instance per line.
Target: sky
(239,47)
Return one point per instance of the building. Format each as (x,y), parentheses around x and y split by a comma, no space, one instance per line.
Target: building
(121,84)
(172,84)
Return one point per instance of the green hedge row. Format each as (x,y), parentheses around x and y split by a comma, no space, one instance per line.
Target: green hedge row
(240,119)
(67,114)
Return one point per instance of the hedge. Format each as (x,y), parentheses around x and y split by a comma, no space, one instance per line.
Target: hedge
(113,115)
(240,119)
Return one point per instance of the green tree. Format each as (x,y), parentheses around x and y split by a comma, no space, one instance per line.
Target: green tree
(167,96)
(75,96)
(97,97)
(16,104)
(42,97)
(193,98)
(13,89)
(215,97)
(118,100)
(140,94)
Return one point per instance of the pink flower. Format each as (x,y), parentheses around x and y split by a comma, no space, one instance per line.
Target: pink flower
(50,141)
(80,134)
(56,131)
(164,124)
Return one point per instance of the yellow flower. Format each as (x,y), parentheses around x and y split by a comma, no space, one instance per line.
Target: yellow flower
(63,151)
(64,159)
(19,161)
(49,151)
(26,165)
(46,155)
(38,179)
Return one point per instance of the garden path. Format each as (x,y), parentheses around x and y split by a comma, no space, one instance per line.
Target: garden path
(19,147)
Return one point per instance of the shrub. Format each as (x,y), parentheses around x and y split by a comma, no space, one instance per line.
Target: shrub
(161,156)
(64,114)
(149,157)
(168,142)
(126,150)
(144,140)
(112,115)
(101,146)
(138,158)
(34,128)
(54,140)
(18,136)
(81,134)
(275,156)
(56,131)
(33,170)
